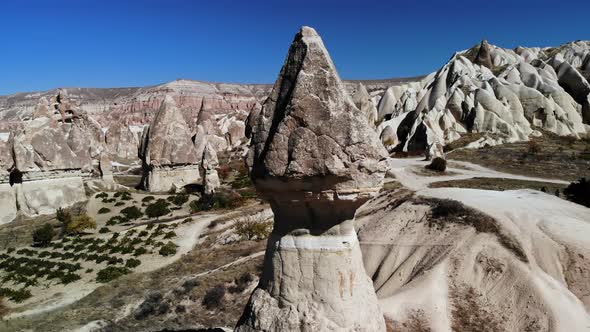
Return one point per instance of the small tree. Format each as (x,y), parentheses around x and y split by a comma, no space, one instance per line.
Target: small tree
(157,209)
(43,235)
(253,229)
(132,212)
(80,223)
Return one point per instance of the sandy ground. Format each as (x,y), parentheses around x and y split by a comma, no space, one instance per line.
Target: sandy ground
(546,227)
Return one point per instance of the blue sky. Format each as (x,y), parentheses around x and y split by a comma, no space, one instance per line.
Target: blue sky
(65,43)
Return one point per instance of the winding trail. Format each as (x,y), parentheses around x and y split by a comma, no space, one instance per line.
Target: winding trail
(403,170)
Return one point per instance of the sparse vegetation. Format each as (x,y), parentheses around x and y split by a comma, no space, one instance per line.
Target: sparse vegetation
(157,209)
(437,164)
(80,223)
(224,199)
(446,211)
(42,236)
(214,297)
(104,210)
(111,273)
(16,296)
(147,199)
(132,212)
(179,200)
(168,249)
(253,229)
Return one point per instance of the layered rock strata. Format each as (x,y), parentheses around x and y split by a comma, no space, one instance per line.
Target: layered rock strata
(315,158)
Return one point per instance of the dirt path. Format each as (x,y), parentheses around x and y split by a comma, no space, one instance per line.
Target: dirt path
(404,170)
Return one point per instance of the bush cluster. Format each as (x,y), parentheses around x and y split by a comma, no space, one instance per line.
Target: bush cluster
(157,209)
(251,229)
(42,236)
(224,199)
(168,249)
(111,273)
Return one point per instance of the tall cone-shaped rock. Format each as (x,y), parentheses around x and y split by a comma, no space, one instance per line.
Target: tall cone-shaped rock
(167,151)
(484,56)
(316,160)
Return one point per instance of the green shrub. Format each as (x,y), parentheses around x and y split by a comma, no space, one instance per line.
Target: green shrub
(250,229)
(132,263)
(157,209)
(148,199)
(10,250)
(80,223)
(168,249)
(437,164)
(139,251)
(16,296)
(104,210)
(132,212)
(119,203)
(111,273)
(101,195)
(179,200)
(104,230)
(69,278)
(43,235)
(228,199)
(170,235)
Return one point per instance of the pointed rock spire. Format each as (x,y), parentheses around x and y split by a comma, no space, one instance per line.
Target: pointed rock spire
(484,56)
(315,158)
(309,125)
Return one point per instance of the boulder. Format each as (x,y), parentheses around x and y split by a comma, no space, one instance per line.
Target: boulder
(315,158)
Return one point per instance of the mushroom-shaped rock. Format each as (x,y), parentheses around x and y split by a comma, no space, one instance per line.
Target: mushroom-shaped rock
(315,158)
(167,151)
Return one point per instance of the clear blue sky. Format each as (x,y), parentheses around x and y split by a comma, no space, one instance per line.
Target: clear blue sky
(64,43)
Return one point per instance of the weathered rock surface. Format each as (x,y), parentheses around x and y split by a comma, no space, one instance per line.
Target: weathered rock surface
(314,156)
(504,94)
(43,160)
(169,157)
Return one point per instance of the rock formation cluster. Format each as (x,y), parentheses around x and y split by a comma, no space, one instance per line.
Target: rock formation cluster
(44,160)
(171,158)
(314,156)
(505,95)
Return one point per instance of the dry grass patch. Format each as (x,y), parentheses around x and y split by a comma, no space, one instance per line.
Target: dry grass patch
(470,312)
(550,156)
(499,184)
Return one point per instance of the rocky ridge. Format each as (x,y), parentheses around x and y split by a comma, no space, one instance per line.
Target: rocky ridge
(507,95)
